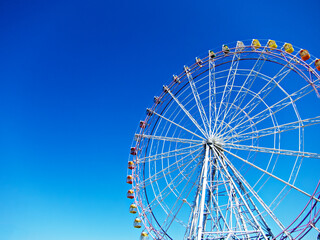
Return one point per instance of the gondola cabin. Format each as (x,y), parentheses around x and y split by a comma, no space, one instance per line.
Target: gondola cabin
(199,62)
(225,49)
(304,54)
(137,137)
(255,43)
(133,208)
(130,194)
(133,151)
(143,124)
(240,46)
(144,236)
(272,44)
(131,165)
(288,48)
(149,112)
(212,55)
(137,223)
(129,179)
(317,64)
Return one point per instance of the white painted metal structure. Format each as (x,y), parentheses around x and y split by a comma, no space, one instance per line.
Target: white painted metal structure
(223,146)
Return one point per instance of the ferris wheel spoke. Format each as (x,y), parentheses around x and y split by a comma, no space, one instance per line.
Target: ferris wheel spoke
(273,151)
(160,156)
(249,120)
(159,198)
(272,175)
(275,129)
(231,75)
(179,198)
(198,102)
(228,87)
(185,111)
(168,139)
(167,170)
(277,107)
(212,96)
(224,132)
(264,92)
(177,125)
(257,197)
(247,84)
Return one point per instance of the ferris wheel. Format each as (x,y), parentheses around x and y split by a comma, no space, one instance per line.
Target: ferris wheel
(230,149)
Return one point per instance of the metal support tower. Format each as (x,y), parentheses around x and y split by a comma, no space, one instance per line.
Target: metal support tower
(223,208)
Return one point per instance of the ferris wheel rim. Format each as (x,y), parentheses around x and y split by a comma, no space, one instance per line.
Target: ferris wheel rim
(153,109)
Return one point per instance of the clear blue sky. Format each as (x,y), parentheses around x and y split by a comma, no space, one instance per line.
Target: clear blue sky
(75,79)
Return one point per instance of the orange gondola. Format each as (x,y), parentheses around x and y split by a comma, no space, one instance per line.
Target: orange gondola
(317,64)
(304,54)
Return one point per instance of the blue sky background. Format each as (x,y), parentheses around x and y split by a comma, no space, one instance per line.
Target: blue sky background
(75,79)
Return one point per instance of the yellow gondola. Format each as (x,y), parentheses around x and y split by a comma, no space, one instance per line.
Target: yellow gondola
(288,48)
(133,208)
(144,236)
(137,223)
(272,44)
(255,43)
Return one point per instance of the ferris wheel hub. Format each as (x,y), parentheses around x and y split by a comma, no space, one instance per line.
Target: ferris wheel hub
(215,141)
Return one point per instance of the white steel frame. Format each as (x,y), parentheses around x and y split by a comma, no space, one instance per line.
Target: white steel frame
(209,131)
